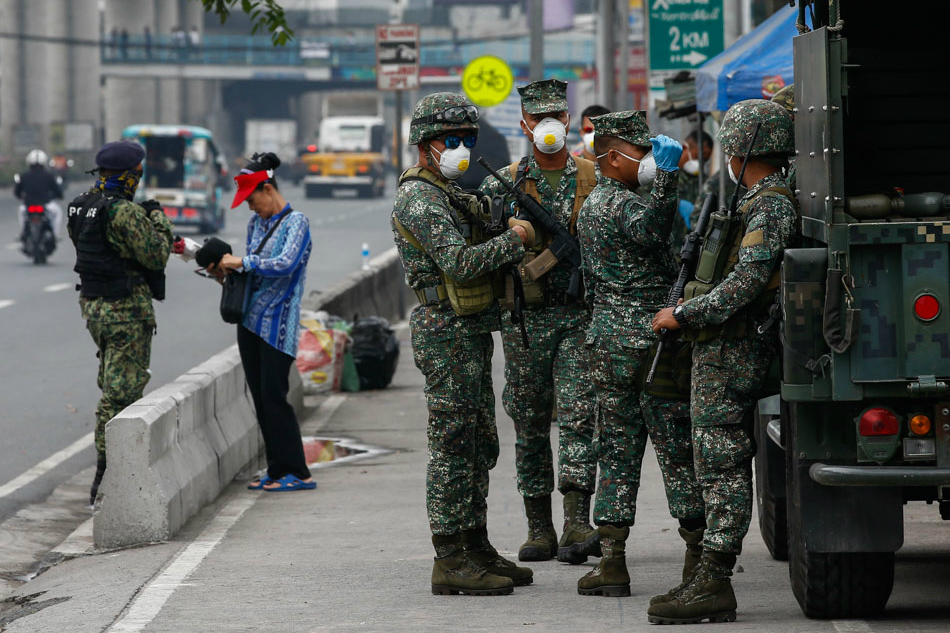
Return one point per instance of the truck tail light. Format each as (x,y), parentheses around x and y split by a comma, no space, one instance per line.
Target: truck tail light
(920,425)
(878,421)
(363,169)
(926,307)
(314,168)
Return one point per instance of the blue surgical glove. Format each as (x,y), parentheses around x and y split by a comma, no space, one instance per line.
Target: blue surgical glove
(686,209)
(666,152)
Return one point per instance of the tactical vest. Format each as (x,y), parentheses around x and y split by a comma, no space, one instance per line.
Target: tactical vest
(722,241)
(538,259)
(102,272)
(465,298)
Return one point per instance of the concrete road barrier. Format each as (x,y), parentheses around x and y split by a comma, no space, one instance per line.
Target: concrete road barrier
(173,451)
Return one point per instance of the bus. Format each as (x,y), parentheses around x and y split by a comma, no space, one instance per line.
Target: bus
(184,171)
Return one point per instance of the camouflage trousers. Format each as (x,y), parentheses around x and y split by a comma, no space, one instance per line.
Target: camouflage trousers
(462,437)
(553,370)
(727,380)
(125,351)
(625,418)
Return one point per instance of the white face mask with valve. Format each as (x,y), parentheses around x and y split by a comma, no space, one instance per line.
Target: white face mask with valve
(453,162)
(589,142)
(549,135)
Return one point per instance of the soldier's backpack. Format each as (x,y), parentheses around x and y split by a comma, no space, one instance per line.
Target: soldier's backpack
(375,351)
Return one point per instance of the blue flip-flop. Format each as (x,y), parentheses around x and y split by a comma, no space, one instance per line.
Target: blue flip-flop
(290,482)
(260,483)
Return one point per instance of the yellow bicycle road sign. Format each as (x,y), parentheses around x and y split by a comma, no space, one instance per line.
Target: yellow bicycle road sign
(487,80)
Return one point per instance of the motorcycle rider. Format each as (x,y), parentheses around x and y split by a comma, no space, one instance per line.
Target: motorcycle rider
(38,186)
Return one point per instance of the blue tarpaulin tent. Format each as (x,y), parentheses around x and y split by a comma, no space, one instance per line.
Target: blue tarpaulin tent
(758,64)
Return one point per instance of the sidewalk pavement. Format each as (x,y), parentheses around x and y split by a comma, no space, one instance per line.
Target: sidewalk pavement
(355,554)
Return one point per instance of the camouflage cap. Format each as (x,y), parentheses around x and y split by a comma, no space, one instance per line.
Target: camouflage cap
(786,98)
(434,104)
(776,136)
(539,97)
(629,125)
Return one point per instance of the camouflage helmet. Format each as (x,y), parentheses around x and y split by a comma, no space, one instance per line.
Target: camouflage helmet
(776,135)
(786,98)
(439,113)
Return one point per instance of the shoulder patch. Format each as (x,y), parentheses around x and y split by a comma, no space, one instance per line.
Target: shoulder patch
(753,238)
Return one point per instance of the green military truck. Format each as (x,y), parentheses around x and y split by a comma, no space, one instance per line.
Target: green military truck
(862,424)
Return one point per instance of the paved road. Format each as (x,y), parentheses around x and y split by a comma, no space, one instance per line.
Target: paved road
(355,555)
(47,360)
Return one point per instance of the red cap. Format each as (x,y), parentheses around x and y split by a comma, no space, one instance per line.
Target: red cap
(246,184)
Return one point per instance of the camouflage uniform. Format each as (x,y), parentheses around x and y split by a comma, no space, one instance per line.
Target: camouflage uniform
(629,278)
(122,328)
(554,369)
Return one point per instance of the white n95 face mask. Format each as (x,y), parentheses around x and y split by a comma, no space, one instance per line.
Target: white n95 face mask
(647,172)
(732,174)
(549,135)
(589,142)
(453,162)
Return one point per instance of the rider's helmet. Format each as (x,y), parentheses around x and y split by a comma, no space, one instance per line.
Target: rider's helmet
(37,157)
(439,113)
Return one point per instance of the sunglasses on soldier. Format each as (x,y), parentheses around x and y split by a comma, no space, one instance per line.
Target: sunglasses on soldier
(453,140)
(455,114)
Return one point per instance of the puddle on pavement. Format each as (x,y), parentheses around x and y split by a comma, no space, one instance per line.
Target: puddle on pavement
(329,451)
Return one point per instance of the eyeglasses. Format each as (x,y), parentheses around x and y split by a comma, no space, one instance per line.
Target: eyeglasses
(452,141)
(455,114)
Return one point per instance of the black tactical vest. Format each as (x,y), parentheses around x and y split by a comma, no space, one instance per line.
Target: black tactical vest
(102,272)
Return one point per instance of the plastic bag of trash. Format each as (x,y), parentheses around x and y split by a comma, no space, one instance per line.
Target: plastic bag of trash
(375,351)
(320,356)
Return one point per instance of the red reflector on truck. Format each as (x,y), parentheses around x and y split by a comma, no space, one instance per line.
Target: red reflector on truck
(926,307)
(878,421)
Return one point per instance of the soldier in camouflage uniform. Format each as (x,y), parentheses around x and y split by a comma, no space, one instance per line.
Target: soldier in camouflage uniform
(120,269)
(449,261)
(553,371)
(629,274)
(731,358)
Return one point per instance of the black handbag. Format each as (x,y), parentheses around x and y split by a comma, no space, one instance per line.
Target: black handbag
(237,285)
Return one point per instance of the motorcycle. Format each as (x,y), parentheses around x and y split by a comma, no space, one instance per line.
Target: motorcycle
(38,239)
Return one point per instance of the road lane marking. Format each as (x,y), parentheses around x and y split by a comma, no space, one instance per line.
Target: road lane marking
(57,287)
(851,626)
(46,465)
(156,593)
(12,246)
(6,303)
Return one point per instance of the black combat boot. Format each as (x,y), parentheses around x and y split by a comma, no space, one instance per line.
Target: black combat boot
(610,577)
(707,596)
(481,552)
(454,573)
(694,552)
(577,529)
(100,471)
(542,539)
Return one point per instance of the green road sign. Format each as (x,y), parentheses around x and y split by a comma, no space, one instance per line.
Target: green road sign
(684,33)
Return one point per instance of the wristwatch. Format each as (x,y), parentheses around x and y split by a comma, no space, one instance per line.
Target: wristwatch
(678,315)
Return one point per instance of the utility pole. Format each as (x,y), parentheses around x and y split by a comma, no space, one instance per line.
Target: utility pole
(536,70)
(605,54)
(623,101)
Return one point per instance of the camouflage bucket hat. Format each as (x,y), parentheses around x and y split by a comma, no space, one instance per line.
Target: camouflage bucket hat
(786,98)
(776,136)
(540,97)
(630,126)
(439,113)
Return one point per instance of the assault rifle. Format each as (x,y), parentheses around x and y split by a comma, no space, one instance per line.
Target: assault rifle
(692,249)
(564,246)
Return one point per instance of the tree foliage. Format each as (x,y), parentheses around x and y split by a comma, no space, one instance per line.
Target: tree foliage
(264,14)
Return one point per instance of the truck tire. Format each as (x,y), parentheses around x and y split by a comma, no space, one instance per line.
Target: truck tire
(770,490)
(836,584)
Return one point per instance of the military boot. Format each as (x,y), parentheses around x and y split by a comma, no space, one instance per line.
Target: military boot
(610,577)
(454,573)
(100,471)
(577,530)
(694,552)
(481,552)
(542,539)
(707,596)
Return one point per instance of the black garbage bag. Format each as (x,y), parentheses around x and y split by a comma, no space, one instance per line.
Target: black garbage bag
(375,350)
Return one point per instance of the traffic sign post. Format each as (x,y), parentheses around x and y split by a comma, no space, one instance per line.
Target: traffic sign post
(397,68)
(684,33)
(487,80)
